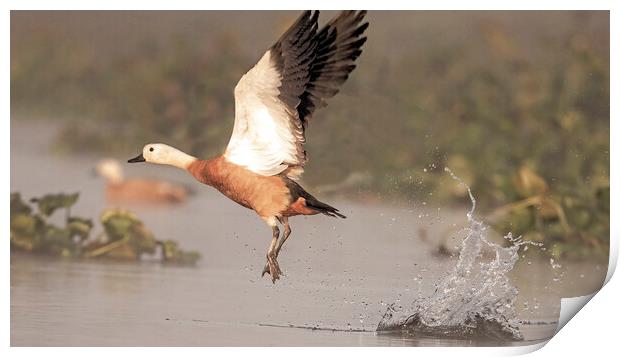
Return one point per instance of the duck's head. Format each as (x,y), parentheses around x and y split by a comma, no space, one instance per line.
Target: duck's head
(164,155)
(110,169)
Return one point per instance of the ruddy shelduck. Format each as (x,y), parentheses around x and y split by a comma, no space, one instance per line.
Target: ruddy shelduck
(274,101)
(137,191)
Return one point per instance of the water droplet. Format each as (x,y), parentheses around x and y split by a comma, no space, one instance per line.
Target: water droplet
(473,278)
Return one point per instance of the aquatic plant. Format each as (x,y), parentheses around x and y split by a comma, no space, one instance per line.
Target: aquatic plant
(573,225)
(32,231)
(124,236)
(172,253)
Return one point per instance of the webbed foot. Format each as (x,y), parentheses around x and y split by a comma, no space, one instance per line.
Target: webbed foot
(272,268)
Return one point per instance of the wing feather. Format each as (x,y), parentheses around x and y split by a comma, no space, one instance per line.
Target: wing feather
(277,97)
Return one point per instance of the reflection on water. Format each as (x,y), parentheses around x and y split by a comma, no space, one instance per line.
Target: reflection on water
(338,274)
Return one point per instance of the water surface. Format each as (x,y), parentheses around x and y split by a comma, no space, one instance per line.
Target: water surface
(339,274)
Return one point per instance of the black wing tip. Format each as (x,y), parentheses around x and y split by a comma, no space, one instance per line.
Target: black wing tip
(306,14)
(311,16)
(362,28)
(314,62)
(356,15)
(308,17)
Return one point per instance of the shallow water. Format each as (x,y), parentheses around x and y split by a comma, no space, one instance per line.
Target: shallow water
(339,274)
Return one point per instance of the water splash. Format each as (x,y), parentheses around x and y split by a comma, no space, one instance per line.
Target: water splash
(476,297)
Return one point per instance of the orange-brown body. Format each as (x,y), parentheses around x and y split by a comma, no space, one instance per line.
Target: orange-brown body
(269,196)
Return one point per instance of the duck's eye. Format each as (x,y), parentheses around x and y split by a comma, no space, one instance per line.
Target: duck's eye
(151,149)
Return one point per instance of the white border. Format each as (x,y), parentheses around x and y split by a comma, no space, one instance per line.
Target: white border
(317,4)
(584,333)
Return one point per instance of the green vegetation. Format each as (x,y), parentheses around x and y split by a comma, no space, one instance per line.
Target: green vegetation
(124,236)
(523,118)
(572,225)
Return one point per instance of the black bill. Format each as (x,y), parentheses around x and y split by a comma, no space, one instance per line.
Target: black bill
(138,158)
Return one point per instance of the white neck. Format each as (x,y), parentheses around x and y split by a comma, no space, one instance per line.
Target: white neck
(178,158)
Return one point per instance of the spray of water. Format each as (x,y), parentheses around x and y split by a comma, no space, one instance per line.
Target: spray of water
(475,298)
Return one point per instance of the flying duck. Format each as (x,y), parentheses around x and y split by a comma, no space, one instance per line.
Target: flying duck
(274,101)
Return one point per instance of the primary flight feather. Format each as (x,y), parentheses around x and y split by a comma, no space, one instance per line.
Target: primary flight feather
(276,98)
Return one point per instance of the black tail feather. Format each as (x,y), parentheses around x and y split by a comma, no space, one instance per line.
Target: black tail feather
(298,191)
(323,207)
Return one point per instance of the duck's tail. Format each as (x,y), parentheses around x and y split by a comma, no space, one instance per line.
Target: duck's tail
(323,207)
(311,202)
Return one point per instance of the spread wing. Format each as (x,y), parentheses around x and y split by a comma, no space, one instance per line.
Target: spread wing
(277,97)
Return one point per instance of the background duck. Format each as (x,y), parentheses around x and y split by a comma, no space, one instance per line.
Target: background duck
(140,191)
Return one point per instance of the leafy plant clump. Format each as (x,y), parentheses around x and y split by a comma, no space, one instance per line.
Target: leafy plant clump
(574,225)
(124,236)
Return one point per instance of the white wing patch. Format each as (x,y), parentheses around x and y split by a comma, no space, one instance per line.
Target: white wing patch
(263,139)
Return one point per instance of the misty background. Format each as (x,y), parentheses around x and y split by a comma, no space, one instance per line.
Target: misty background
(515,103)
